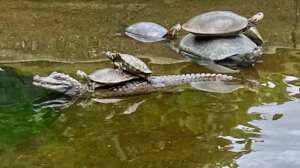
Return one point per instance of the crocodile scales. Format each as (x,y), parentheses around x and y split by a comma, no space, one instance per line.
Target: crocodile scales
(201,81)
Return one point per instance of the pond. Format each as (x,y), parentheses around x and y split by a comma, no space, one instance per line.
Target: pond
(250,127)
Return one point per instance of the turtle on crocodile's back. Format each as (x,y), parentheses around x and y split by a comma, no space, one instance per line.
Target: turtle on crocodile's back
(129,63)
(107,76)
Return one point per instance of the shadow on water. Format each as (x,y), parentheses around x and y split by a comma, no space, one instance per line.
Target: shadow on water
(19,118)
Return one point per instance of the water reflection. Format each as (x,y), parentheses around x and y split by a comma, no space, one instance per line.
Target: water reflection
(279,131)
(280,137)
(18,116)
(173,129)
(191,129)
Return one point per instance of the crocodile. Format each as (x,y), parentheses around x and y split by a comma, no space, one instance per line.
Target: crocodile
(209,82)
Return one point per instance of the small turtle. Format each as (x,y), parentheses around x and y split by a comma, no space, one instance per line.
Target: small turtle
(130,64)
(237,49)
(106,77)
(151,32)
(220,23)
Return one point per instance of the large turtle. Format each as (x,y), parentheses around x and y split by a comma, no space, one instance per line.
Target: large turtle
(220,23)
(129,63)
(151,32)
(224,23)
(211,51)
(106,77)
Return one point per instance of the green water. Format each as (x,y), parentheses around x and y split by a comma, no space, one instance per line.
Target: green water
(246,128)
(19,118)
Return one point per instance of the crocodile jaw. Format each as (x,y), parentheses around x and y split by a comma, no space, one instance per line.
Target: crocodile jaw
(58,82)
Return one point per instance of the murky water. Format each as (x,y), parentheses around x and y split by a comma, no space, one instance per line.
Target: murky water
(247,128)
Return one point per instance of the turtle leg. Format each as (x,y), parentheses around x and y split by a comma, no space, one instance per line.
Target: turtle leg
(82,75)
(91,86)
(121,32)
(254,35)
(172,45)
(172,32)
(118,65)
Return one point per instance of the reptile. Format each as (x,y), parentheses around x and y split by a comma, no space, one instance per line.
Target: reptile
(69,86)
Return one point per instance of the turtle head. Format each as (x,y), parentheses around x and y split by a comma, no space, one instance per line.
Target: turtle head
(249,59)
(257,53)
(58,82)
(112,56)
(252,58)
(256,18)
(172,33)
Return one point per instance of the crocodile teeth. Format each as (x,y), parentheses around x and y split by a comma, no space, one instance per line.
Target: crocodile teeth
(225,77)
(219,75)
(229,77)
(208,76)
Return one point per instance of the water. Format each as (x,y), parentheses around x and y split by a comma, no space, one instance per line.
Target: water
(247,128)
(20,118)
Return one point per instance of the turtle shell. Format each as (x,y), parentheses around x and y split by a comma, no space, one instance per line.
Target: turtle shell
(216,23)
(218,48)
(133,65)
(110,76)
(146,32)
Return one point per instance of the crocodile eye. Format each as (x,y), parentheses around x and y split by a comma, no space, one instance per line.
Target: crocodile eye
(58,77)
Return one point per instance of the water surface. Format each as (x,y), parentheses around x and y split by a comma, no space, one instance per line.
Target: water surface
(246,128)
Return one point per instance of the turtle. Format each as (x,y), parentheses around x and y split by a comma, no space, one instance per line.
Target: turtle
(151,32)
(129,63)
(210,52)
(221,23)
(106,77)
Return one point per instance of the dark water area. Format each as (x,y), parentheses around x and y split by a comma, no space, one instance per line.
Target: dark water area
(250,127)
(20,118)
